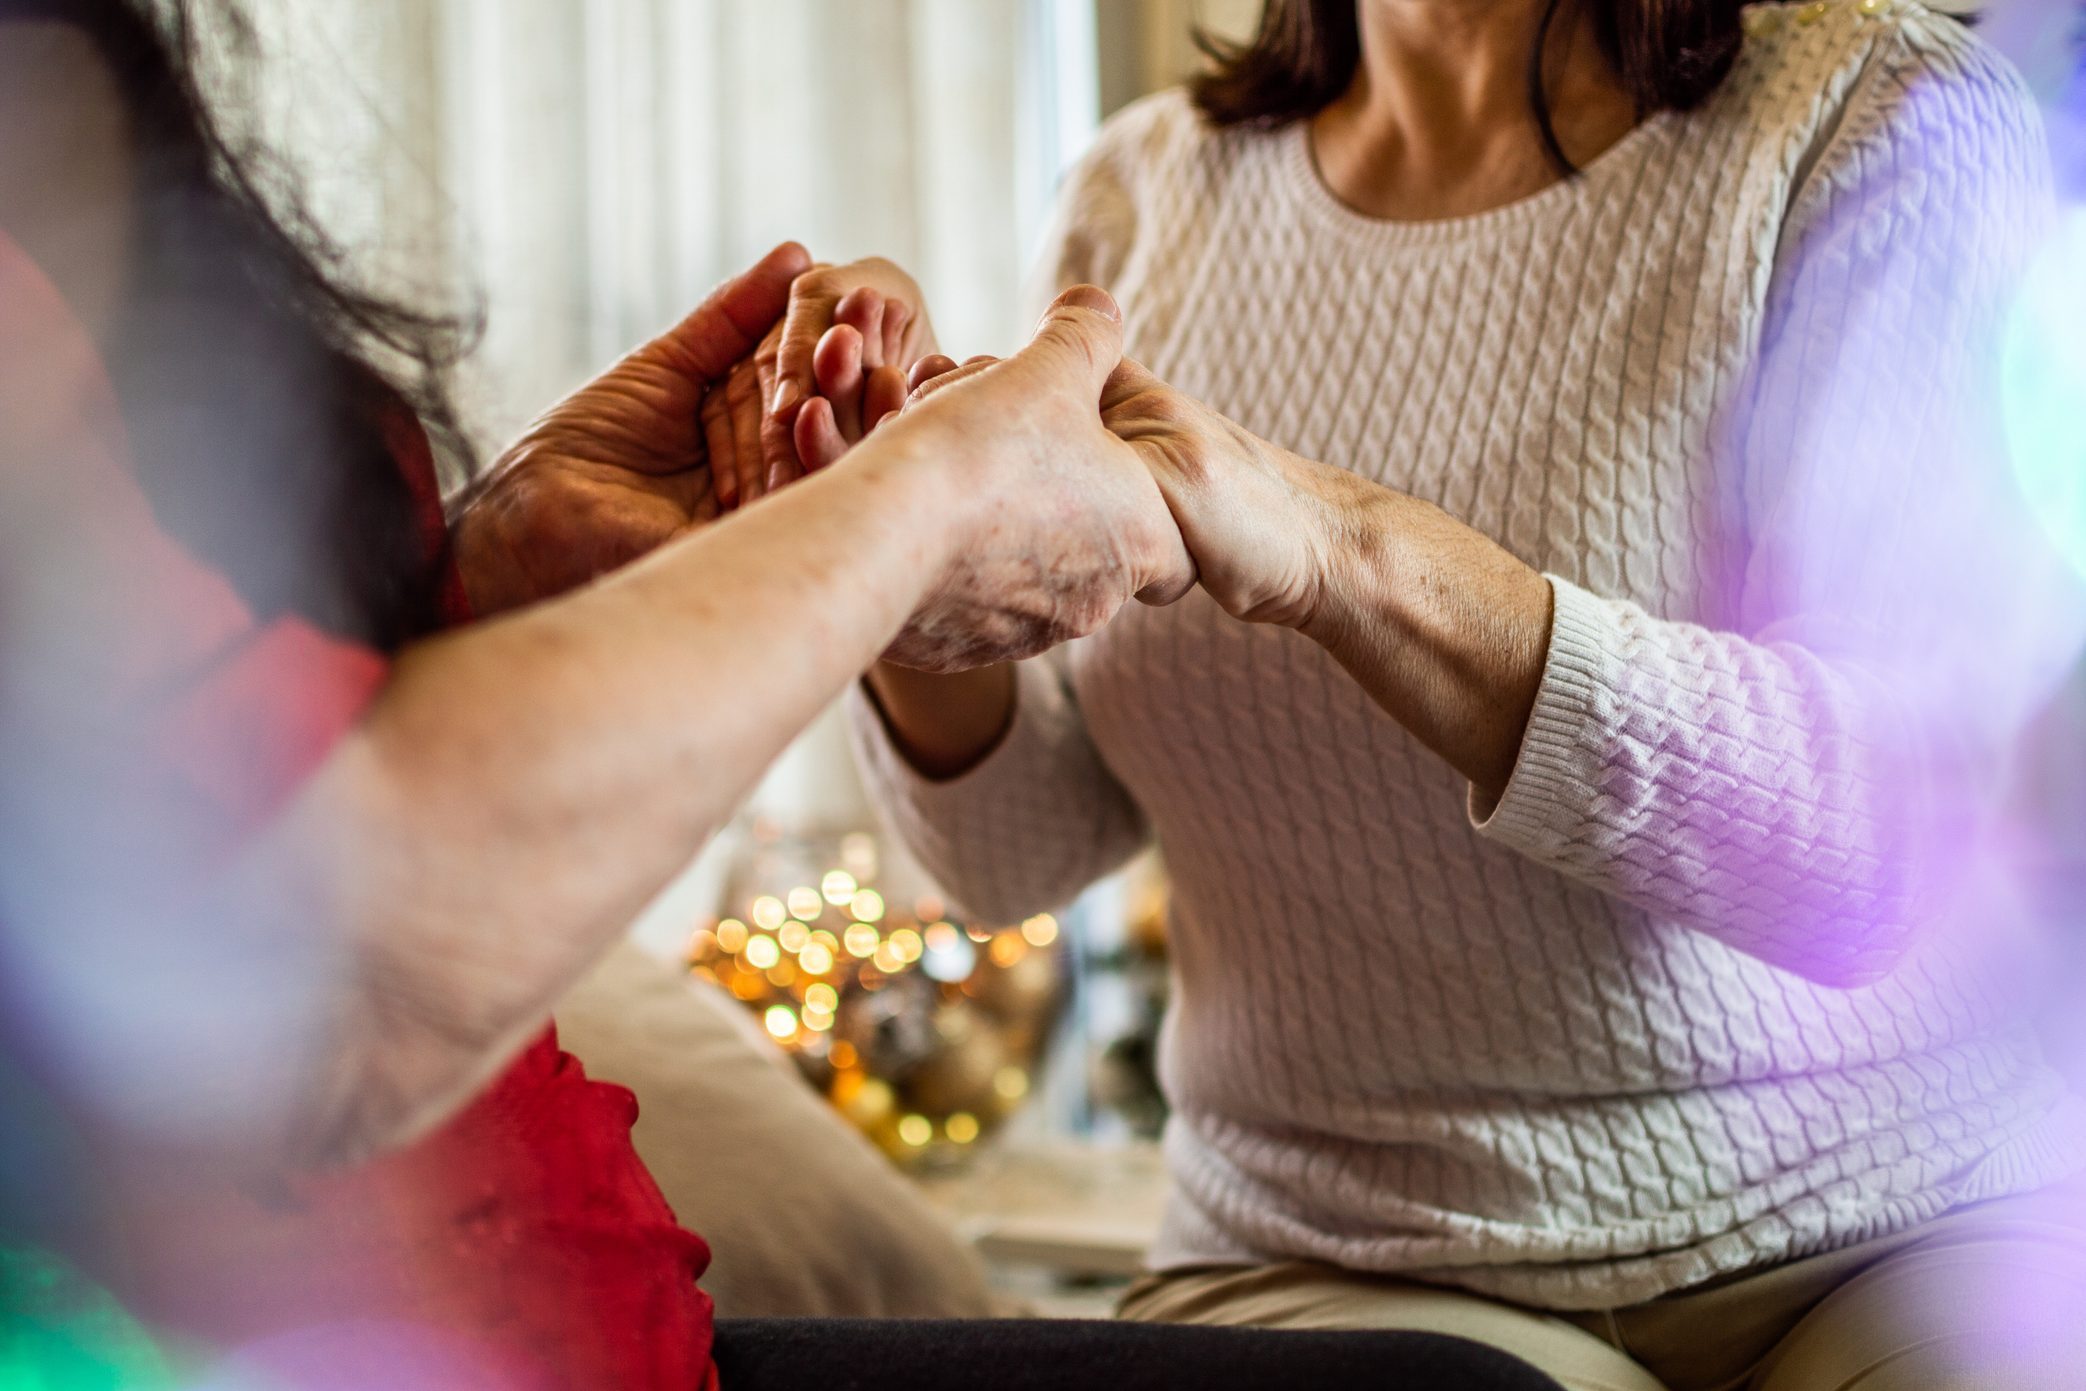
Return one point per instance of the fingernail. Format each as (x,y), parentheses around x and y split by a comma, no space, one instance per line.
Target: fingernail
(1090,297)
(787,394)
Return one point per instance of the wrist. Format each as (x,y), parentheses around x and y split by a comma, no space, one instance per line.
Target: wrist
(1346,537)
(916,471)
(944,726)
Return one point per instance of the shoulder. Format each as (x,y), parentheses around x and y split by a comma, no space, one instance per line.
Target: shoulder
(1149,149)
(1152,130)
(1155,166)
(1825,87)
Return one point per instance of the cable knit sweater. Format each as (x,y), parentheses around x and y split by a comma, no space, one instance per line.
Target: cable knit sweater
(1714,985)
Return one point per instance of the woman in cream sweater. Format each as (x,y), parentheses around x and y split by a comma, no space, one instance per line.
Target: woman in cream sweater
(1576,769)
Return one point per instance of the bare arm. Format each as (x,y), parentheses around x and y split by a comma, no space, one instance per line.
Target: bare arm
(1443,627)
(521,788)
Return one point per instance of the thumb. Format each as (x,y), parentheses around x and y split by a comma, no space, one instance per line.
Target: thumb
(1130,380)
(730,324)
(1082,333)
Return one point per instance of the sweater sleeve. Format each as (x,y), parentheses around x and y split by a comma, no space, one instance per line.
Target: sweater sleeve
(1806,788)
(1029,828)
(1042,817)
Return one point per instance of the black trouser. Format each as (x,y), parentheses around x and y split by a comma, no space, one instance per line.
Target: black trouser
(1034,1354)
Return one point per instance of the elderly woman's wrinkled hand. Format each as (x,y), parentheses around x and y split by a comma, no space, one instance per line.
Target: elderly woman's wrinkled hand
(625,464)
(1261,523)
(1063,523)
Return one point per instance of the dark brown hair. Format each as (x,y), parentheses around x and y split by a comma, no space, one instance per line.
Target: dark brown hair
(1669,54)
(261,381)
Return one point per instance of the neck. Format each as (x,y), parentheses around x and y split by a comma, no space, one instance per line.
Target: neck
(1437,122)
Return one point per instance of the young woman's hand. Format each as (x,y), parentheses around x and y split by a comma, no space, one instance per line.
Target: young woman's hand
(625,464)
(754,452)
(852,335)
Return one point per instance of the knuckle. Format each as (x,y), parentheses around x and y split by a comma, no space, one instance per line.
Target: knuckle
(770,347)
(827,282)
(1165,407)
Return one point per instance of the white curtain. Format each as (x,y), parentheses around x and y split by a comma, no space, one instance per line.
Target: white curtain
(589,168)
(585,170)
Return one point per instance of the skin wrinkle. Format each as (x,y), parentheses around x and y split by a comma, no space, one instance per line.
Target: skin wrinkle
(520,788)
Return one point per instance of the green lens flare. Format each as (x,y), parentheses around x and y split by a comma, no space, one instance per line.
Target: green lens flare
(58,1332)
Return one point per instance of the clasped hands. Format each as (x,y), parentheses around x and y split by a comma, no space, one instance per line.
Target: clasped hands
(1073,479)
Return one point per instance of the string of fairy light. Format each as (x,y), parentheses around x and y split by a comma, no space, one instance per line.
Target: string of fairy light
(811,961)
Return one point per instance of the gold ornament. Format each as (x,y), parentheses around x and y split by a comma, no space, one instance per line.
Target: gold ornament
(923,1032)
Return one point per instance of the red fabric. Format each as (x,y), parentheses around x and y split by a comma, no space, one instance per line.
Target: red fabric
(526,1232)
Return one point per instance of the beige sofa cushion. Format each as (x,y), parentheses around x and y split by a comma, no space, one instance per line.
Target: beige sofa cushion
(803,1215)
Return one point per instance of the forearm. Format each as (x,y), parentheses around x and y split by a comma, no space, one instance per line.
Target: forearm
(1035,820)
(1445,629)
(1776,791)
(1750,788)
(524,787)
(944,725)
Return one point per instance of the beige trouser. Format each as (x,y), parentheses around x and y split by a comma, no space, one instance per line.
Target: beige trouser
(1988,1298)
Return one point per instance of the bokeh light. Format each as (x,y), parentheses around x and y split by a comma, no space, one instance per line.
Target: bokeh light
(2044,388)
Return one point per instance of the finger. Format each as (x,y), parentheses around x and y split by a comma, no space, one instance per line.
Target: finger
(718,440)
(819,441)
(928,390)
(863,310)
(883,396)
(779,447)
(781,475)
(927,369)
(838,366)
(1176,586)
(1129,381)
(1081,334)
(898,319)
(778,450)
(812,302)
(744,406)
(731,322)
